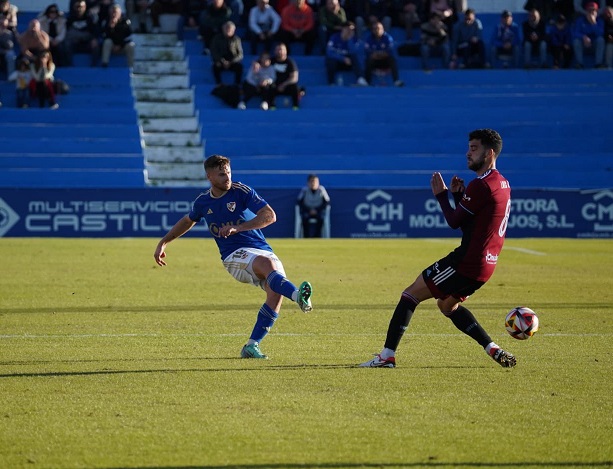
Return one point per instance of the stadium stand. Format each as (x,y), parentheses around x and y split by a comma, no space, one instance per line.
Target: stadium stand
(555,124)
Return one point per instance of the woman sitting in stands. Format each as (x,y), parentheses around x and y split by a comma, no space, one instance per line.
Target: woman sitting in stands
(41,84)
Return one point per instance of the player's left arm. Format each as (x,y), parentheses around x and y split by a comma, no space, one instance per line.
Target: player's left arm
(454,217)
(264,217)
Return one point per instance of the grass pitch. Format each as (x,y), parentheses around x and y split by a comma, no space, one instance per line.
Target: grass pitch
(109,361)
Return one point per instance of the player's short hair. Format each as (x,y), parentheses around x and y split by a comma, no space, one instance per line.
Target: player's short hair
(216,161)
(489,139)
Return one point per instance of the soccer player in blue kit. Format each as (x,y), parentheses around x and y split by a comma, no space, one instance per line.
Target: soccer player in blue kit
(244,251)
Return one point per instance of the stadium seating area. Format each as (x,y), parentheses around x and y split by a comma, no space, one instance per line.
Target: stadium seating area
(556,127)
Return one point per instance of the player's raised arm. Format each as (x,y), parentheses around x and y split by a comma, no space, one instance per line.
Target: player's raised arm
(181,227)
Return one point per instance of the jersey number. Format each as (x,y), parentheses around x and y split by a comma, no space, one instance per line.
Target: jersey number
(505,221)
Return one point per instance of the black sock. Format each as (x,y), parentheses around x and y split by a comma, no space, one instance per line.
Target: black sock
(464,320)
(400,320)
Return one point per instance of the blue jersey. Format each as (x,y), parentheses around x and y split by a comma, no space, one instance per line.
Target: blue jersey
(230,209)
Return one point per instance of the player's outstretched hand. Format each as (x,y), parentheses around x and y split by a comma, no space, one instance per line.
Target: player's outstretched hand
(437,183)
(159,256)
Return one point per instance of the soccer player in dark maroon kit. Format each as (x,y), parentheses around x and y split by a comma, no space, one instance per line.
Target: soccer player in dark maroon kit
(482,212)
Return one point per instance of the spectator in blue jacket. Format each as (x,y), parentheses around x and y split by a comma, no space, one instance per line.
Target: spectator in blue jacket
(506,39)
(588,35)
(559,39)
(468,50)
(342,53)
(380,53)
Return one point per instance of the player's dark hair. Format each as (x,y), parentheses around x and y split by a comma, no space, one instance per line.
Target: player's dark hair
(216,161)
(489,139)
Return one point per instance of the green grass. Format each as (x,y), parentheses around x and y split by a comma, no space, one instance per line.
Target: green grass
(108,361)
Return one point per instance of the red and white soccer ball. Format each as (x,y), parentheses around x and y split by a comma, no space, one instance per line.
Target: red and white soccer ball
(521,323)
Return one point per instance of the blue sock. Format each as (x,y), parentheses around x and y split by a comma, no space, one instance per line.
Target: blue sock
(279,284)
(266,319)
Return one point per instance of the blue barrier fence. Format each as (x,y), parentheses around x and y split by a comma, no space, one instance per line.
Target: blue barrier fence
(375,213)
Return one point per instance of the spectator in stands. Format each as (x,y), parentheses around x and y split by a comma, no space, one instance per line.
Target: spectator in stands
(117,37)
(104,12)
(434,39)
(227,54)
(9,11)
(286,80)
(468,49)
(373,11)
(164,7)
(33,41)
(588,35)
(214,16)
(312,201)
(535,39)
(263,25)
(22,77)
(82,32)
(343,53)
(559,38)
(506,40)
(260,81)
(137,11)
(298,25)
(551,10)
(41,83)
(608,36)
(445,10)
(582,7)
(409,14)
(331,20)
(380,53)
(7,47)
(53,22)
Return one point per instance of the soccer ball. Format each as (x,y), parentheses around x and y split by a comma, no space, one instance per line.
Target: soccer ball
(521,323)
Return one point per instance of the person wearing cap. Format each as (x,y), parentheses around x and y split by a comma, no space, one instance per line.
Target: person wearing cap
(588,35)
(506,40)
(559,39)
(581,6)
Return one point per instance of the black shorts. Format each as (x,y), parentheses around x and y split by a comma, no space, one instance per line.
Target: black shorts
(443,280)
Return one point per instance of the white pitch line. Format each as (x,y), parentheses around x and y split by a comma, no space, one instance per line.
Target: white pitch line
(526,251)
(512,248)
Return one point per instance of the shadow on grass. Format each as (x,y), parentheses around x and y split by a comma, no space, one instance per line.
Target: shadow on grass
(263,368)
(340,465)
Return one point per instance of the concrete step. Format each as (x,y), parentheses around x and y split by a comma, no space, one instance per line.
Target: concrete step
(179,139)
(159,81)
(172,154)
(169,67)
(168,124)
(165,109)
(163,53)
(153,95)
(166,172)
(155,40)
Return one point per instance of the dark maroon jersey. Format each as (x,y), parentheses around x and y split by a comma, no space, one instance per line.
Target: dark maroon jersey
(488,199)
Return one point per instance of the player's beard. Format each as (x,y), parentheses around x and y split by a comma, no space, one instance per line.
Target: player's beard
(477,165)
